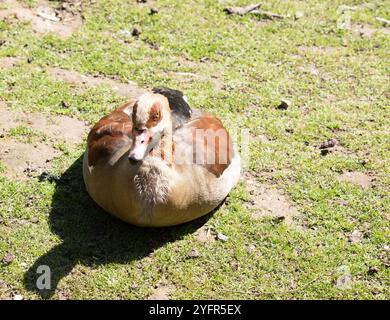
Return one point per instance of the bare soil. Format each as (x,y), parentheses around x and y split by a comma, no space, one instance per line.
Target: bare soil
(69,129)
(357,178)
(24,160)
(9,62)
(269,201)
(204,235)
(45,19)
(128,90)
(161,291)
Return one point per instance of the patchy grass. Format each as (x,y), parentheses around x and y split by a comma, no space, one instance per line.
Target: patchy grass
(238,67)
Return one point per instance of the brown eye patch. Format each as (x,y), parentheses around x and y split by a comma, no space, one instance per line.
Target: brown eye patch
(154,115)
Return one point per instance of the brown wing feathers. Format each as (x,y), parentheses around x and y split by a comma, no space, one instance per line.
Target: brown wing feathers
(215,144)
(110,135)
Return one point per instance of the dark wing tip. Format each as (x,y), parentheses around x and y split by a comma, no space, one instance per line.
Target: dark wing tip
(168,91)
(180,108)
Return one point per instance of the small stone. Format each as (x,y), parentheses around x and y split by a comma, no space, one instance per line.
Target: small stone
(154,46)
(30,201)
(135,32)
(17,297)
(153,11)
(34,220)
(299,14)
(65,105)
(355,236)
(29,59)
(251,248)
(47,176)
(133,286)
(222,237)
(284,104)
(193,253)
(203,59)
(330,143)
(8,258)
(324,152)
(386,247)
(279,219)
(372,270)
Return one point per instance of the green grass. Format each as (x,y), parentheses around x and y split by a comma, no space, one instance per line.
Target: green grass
(251,64)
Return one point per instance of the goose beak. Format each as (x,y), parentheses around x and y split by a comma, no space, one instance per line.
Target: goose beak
(139,148)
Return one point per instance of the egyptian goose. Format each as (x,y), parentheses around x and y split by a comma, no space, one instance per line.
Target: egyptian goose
(154,162)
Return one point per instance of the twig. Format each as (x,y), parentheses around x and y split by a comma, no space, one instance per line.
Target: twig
(242,10)
(269,15)
(190,74)
(48,16)
(383,20)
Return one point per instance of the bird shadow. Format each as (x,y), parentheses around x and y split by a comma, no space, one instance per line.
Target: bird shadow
(92,237)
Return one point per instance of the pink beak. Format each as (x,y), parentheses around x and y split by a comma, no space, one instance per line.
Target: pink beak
(141,139)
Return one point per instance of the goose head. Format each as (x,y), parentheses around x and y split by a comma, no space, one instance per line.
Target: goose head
(151,120)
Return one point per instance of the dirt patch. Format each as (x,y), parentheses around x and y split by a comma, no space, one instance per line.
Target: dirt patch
(45,19)
(311,69)
(5,291)
(69,129)
(357,178)
(386,30)
(384,256)
(204,235)
(161,291)
(338,149)
(23,160)
(363,30)
(128,90)
(367,31)
(355,236)
(64,294)
(268,201)
(9,62)
(331,98)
